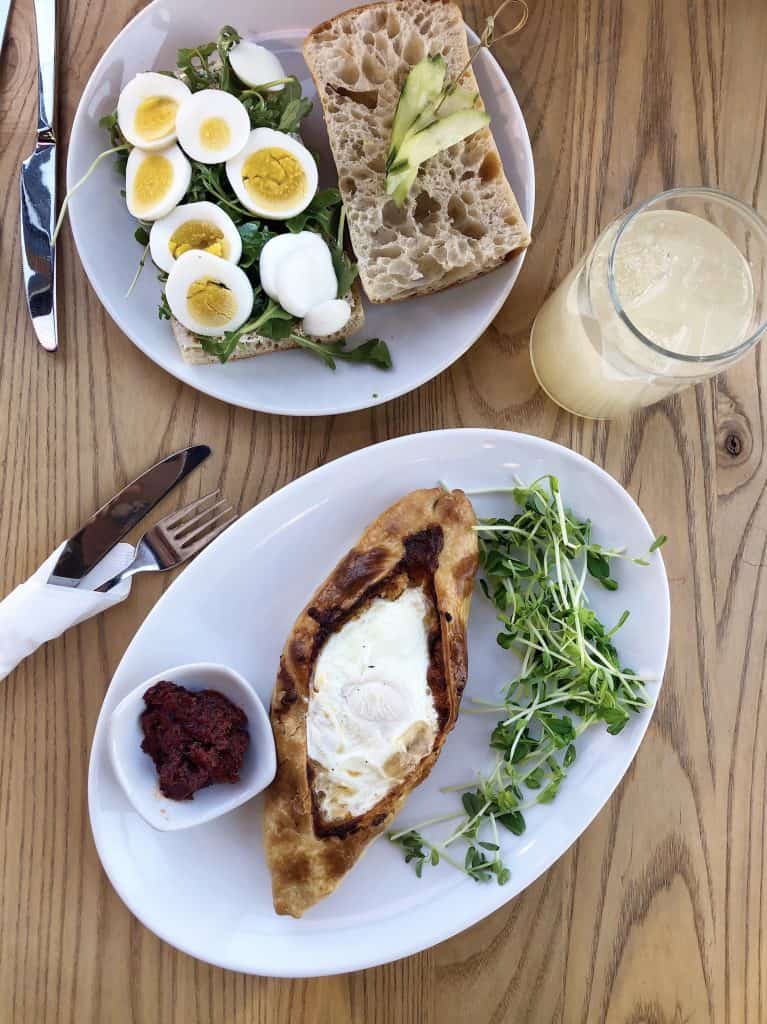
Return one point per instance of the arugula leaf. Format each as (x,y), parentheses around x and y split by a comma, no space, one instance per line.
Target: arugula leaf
(196,68)
(209,182)
(283,110)
(346,270)
(227,38)
(254,237)
(320,215)
(375,352)
(293,114)
(273,322)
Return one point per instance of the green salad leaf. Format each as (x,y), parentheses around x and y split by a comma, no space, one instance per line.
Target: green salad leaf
(254,237)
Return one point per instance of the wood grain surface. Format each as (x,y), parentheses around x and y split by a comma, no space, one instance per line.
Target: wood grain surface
(657,915)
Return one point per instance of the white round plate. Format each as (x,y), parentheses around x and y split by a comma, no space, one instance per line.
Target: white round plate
(207,891)
(425,335)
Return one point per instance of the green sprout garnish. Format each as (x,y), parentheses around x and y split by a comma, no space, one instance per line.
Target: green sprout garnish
(534,567)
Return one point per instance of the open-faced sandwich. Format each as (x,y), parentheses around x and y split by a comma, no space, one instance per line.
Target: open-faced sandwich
(369,686)
(422,181)
(249,252)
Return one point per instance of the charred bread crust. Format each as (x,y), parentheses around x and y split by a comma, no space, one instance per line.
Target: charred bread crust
(426,539)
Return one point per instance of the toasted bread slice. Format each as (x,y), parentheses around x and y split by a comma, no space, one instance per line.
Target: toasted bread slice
(461,218)
(257,345)
(426,540)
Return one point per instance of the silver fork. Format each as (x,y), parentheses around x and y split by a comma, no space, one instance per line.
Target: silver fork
(177,537)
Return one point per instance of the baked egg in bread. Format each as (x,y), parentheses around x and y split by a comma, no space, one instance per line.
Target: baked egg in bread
(371,714)
(368,689)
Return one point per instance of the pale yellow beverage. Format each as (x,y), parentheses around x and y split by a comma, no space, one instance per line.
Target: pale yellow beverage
(682,299)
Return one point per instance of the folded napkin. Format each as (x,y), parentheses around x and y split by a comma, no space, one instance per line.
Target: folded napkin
(37,611)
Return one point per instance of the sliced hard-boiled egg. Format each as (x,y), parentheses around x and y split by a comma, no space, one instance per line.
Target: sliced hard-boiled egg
(156,182)
(255,65)
(207,294)
(327,318)
(274,176)
(297,271)
(147,109)
(194,226)
(212,126)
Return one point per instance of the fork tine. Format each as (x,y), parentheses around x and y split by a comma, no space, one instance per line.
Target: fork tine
(169,521)
(191,525)
(203,541)
(190,536)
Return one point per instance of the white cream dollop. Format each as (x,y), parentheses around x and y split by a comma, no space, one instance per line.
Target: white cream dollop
(371,715)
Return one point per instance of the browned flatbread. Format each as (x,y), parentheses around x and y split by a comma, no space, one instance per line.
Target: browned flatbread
(426,539)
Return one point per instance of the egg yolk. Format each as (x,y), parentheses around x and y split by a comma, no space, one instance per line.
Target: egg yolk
(153,179)
(196,234)
(155,118)
(210,302)
(215,133)
(273,174)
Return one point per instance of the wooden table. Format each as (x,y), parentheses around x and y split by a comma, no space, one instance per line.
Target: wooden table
(658,913)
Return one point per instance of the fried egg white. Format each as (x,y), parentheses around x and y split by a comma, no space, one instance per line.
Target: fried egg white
(147,110)
(155,182)
(212,126)
(274,176)
(207,294)
(255,65)
(194,226)
(371,715)
(296,270)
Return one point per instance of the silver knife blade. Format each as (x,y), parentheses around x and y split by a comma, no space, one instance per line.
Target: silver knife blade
(112,521)
(38,212)
(5,10)
(38,188)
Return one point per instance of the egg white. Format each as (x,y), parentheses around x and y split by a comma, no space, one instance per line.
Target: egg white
(202,106)
(265,138)
(371,714)
(195,266)
(145,86)
(297,271)
(181,175)
(207,213)
(327,318)
(255,65)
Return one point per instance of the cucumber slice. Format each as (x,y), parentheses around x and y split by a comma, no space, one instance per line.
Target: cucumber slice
(457,99)
(416,149)
(422,88)
(444,133)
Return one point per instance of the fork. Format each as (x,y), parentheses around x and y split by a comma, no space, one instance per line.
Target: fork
(177,538)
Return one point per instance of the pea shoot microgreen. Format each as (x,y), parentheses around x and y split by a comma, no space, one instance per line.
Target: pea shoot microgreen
(534,568)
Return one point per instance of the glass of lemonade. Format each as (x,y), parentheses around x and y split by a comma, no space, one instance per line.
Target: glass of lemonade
(672,292)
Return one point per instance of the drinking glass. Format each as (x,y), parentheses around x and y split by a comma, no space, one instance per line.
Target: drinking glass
(672,292)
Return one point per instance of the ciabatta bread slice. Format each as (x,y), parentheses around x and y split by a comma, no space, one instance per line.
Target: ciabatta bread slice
(461,218)
(257,345)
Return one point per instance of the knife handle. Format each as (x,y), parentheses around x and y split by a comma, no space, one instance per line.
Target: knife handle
(45,20)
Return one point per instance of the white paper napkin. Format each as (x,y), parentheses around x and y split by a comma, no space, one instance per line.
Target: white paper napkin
(36,611)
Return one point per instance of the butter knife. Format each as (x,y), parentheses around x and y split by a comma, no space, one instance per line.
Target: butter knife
(38,188)
(112,521)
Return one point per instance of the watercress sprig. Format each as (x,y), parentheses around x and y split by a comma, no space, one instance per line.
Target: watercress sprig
(535,564)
